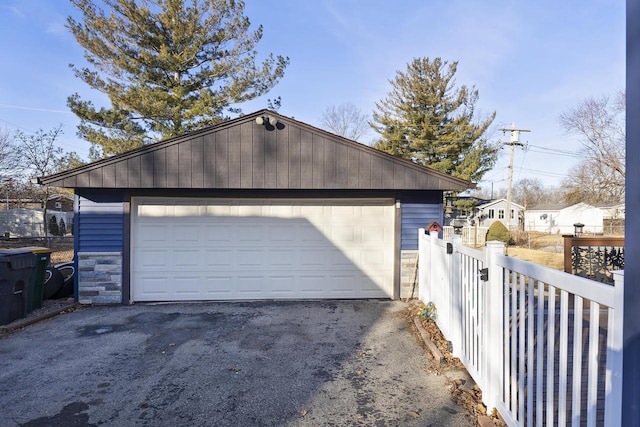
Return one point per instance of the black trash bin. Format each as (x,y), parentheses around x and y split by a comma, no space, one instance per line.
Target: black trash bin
(16,267)
(36,284)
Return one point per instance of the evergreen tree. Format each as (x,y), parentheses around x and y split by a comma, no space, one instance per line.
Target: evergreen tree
(53,226)
(426,119)
(62,228)
(167,66)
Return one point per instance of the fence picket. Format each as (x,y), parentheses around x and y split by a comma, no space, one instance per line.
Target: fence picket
(592,363)
(530,349)
(577,367)
(562,361)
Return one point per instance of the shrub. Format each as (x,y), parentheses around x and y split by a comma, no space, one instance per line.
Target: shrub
(54,230)
(498,231)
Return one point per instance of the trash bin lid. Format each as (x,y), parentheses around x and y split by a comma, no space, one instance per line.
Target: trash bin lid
(37,249)
(6,251)
(18,259)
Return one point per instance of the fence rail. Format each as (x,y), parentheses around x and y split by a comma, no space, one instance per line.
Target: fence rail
(544,346)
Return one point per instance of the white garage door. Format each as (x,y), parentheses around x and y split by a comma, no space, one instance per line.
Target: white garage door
(204,249)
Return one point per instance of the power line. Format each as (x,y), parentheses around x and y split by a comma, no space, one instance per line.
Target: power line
(554,151)
(22,107)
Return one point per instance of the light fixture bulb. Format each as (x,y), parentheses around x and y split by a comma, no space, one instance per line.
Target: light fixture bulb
(273,121)
(259,120)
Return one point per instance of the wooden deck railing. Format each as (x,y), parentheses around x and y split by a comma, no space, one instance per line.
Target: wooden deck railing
(593,257)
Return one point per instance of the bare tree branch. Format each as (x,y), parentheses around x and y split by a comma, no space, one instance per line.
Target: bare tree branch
(345,120)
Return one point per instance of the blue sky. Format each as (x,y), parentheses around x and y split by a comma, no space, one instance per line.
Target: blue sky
(530,62)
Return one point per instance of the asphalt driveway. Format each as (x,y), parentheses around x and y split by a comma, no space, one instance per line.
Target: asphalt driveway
(223,364)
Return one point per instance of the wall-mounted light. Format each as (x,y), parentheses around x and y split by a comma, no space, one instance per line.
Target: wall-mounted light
(543,216)
(264,120)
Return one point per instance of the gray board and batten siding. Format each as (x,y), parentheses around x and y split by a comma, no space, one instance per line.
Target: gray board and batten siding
(241,154)
(238,159)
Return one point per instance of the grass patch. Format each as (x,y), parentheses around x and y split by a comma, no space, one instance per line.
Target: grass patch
(553,260)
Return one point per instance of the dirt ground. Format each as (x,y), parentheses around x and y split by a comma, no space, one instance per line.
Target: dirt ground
(62,256)
(468,396)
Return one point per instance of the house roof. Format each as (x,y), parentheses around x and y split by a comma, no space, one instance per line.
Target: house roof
(242,154)
(559,206)
(549,207)
(495,202)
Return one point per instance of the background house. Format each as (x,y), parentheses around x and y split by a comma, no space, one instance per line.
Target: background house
(559,218)
(60,203)
(488,213)
(457,208)
(259,207)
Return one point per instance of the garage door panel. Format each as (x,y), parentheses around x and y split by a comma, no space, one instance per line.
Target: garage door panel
(188,249)
(220,258)
(154,285)
(250,257)
(249,285)
(281,258)
(186,258)
(217,286)
(153,233)
(217,233)
(187,233)
(153,259)
(187,285)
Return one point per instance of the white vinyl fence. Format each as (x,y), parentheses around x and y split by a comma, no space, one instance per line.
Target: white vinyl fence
(544,346)
(472,236)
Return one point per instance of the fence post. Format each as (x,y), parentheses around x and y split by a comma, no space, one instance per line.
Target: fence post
(454,282)
(613,377)
(424,266)
(493,306)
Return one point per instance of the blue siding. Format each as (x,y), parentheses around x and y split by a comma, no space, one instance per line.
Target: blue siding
(100,223)
(414,215)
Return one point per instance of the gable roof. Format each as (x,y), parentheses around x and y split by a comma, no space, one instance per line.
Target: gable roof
(561,206)
(242,154)
(495,202)
(549,207)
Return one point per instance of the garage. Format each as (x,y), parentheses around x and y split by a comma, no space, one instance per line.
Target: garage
(249,210)
(209,249)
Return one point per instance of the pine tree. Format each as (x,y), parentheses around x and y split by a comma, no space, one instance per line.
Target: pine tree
(167,66)
(62,228)
(426,119)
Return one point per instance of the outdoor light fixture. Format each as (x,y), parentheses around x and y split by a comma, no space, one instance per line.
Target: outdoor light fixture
(264,120)
(578,228)
(457,224)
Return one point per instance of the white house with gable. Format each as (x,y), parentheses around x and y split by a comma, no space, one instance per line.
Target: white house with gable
(493,211)
(559,218)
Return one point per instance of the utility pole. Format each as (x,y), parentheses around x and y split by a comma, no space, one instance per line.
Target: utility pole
(515,140)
